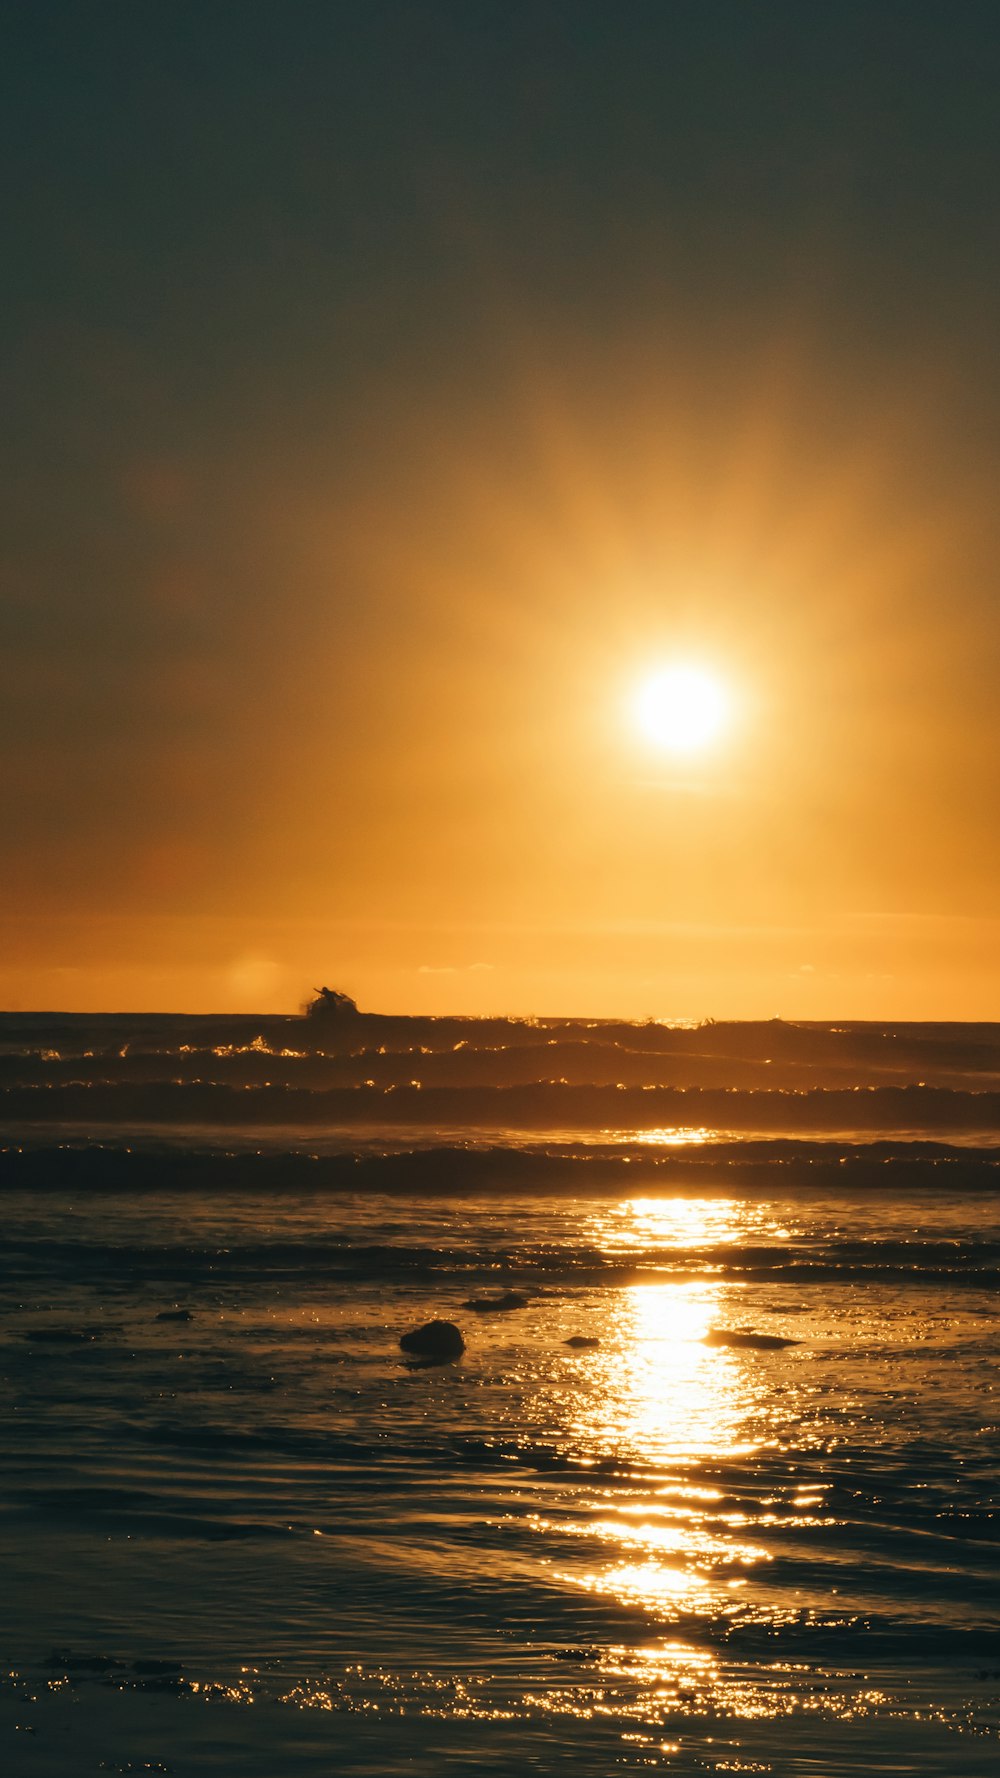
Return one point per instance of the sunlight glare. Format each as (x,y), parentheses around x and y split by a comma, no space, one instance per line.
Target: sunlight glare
(681,709)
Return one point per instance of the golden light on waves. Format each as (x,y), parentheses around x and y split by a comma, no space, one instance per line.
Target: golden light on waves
(671,1541)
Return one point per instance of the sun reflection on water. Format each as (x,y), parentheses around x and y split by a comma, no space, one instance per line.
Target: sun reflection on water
(659,1394)
(649,1223)
(667,1136)
(660,1534)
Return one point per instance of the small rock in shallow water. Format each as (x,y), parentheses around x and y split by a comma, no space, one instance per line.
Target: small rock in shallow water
(436,1339)
(175,1315)
(581,1340)
(484,1305)
(724,1336)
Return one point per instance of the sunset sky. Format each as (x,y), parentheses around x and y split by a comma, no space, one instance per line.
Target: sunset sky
(391,390)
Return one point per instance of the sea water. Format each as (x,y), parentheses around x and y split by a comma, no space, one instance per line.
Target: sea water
(750,1526)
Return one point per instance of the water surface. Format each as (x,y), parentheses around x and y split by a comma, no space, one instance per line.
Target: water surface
(256,1540)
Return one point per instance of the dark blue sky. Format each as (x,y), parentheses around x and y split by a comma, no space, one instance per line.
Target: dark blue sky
(225,185)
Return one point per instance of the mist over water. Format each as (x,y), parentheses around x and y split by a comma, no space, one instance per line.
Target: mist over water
(749,1525)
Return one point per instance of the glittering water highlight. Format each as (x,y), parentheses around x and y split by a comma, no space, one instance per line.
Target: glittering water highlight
(748,1522)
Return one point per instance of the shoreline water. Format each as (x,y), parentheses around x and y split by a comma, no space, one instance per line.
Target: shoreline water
(753,1528)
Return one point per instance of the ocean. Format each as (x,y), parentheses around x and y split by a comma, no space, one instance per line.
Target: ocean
(716,1493)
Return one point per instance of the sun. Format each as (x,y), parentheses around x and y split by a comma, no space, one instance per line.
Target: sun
(682,708)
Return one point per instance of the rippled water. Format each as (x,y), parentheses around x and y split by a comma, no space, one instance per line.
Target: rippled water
(257,1540)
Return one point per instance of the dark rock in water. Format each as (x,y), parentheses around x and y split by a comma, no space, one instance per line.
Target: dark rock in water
(723,1336)
(581,1340)
(62,1660)
(436,1339)
(175,1315)
(486,1305)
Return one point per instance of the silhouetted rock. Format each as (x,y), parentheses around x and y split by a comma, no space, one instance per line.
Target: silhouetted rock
(582,1340)
(330,1003)
(486,1305)
(175,1315)
(724,1336)
(436,1339)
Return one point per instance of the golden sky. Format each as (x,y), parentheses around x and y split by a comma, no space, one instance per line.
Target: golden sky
(323,644)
